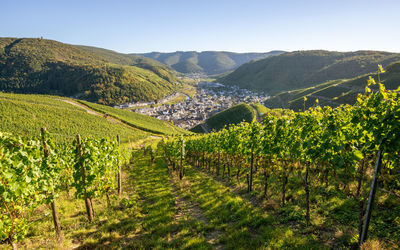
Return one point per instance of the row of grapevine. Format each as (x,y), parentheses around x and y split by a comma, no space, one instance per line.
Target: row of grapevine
(34,171)
(317,147)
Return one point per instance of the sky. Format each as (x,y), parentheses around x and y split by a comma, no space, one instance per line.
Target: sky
(200,25)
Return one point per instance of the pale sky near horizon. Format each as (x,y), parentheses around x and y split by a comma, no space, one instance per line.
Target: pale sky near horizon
(228,25)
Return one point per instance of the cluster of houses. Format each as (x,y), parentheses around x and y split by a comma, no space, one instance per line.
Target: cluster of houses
(210,98)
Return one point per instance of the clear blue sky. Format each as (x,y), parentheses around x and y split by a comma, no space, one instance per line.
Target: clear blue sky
(231,25)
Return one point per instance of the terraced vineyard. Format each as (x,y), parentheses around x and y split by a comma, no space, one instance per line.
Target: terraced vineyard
(139,121)
(334,93)
(24,115)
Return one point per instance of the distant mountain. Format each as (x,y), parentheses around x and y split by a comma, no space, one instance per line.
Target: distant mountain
(31,65)
(335,92)
(300,69)
(208,62)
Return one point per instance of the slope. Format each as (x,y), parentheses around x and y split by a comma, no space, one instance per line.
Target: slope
(50,67)
(131,60)
(302,69)
(335,92)
(208,62)
(24,115)
(143,122)
(233,115)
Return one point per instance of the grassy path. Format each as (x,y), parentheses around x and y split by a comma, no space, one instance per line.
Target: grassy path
(169,220)
(199,212)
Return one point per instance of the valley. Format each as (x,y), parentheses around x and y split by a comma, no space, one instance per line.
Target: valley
(210,98)
(196,154)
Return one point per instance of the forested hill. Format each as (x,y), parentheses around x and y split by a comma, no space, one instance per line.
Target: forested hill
(208,62)
(131,60)
(336,92)
(300,69)
(31,65)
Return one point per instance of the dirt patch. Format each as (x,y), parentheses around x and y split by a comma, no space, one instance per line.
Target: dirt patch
(92,112)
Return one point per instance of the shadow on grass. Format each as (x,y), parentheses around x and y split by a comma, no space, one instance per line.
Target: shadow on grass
(156,227)
(245,226)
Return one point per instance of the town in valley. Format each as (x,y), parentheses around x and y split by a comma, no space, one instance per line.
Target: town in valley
(209,99)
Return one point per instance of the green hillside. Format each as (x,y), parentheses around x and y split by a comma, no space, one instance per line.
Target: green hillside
(143,122)
(302,69)
(50,67)
(336,92)
(208,62)
(131,60)
(24,115)
(233,115)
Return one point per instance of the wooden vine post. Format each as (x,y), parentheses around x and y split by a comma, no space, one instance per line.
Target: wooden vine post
(307,190)
(181,160)
(56,220)
(251,171)
(372,192)
(218,163)
(119,172)
(265,184)
(88,204)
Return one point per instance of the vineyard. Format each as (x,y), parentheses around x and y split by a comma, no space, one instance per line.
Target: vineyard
(321,178)
(34,171)
(301,162)
(24,115)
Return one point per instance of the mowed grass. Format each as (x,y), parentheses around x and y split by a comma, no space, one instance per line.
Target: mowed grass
(161,227)
(139,121)
(24,115)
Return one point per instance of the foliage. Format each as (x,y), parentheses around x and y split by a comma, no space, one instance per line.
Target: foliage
(100,160)
(21,184)
(307,151)
(33,171)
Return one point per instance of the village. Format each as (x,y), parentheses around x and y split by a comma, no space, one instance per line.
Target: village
(210,98)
